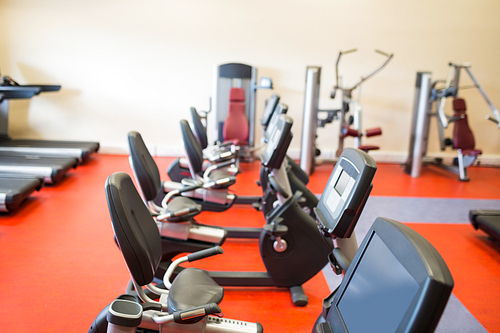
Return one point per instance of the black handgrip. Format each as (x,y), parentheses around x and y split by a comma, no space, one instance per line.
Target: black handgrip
(341,258)
(324,328)
(205,253)
(184,211)
(199,311)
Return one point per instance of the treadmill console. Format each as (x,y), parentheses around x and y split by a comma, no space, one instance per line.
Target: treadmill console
(280,109)
(346,193)
(271,105)
(409,284)
(278,142)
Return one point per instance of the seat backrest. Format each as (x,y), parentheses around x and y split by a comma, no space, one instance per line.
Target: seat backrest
(236,124)
(135,230)
(194,153)
(463,138)
(144,167)
(200,131)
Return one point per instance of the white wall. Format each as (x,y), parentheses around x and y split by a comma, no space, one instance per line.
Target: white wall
(139,65)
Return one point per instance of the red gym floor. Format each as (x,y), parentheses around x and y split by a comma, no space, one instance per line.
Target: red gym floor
(59,265)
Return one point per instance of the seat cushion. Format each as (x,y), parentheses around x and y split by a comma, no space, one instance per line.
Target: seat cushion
(180,203)
(191,288)
(368,148)
(472,152)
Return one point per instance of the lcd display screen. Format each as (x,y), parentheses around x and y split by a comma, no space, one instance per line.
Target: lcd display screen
(342,182)
(379,292)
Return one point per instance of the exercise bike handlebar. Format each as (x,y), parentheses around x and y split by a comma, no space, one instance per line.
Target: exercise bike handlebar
(205,253)
(185,315)
(210,169)
(389,57)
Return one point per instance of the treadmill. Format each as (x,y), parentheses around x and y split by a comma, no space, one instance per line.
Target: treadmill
(15,189)
(51,170)
(486,220)
(80,150)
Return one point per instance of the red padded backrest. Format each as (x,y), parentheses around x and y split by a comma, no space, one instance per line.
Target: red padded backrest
(236,124)
(459,105)
(462,134)
(236,95)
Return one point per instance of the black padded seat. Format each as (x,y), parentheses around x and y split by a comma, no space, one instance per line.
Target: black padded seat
(221,174)
(181,203)
(191,288)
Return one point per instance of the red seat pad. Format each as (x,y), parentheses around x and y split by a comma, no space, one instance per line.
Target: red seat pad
(367,148)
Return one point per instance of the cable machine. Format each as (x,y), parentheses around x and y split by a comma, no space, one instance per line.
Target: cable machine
(235,75)
(350,124)
(430,100)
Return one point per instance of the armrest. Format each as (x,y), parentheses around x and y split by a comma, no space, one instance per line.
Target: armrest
(190,257)
(169,195)
(183,317)
(164,217)
(217,166)
(223,155)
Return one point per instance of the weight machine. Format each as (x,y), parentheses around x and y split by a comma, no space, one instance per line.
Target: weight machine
(350,124)
(235,75)
(430,100)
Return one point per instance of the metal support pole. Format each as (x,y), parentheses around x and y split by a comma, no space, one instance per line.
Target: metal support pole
(420,125)
(310,119)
